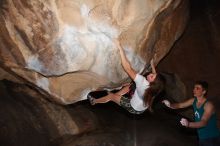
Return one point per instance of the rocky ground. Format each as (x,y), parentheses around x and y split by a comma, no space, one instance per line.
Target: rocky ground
(24,123)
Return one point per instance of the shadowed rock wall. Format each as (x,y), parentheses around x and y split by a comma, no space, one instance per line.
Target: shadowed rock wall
(196,55)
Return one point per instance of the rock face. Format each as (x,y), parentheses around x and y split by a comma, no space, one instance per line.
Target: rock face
(65,48)
(32,120)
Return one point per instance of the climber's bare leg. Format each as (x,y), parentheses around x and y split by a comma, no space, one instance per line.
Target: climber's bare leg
(115,97)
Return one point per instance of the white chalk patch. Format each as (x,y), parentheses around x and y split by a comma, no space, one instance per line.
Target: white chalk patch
(84,94)
(89,45)
(84,10)
(136,61)
(43,83)
(70,45)
(34,63)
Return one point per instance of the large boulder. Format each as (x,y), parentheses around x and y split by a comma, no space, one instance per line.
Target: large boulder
(65,49)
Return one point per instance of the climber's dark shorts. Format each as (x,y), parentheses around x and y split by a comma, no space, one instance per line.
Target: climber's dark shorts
(125,103)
